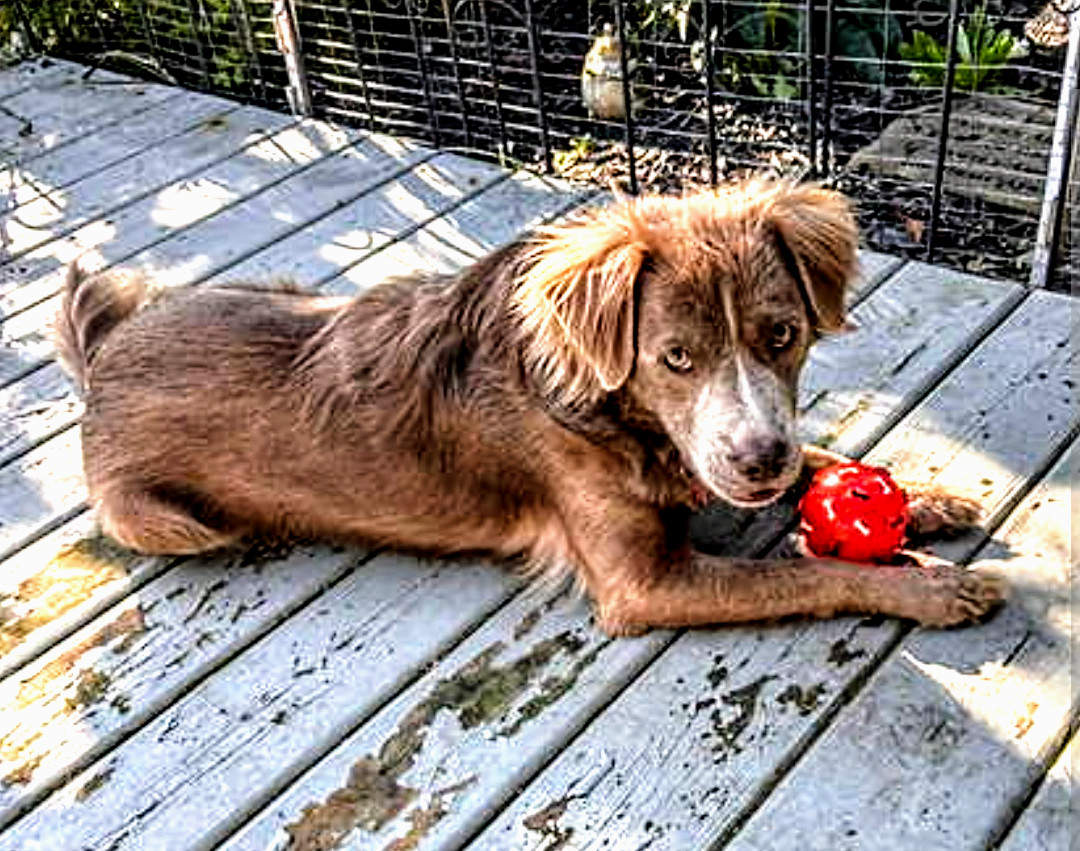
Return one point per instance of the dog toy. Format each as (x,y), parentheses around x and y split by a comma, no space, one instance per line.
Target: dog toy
(855,512)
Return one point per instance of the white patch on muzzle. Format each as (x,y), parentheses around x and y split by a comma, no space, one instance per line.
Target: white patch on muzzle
(745,402)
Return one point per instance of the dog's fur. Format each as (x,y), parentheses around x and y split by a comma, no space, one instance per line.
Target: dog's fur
(565,399)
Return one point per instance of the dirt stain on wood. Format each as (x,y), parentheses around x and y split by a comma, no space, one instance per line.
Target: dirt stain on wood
(90,687)
(93,784)
(215,123)
(545,822)
(479,692)
(552,690)
(718,672)
(70,578)
(423,819)
(732,717)
(24,773)
(123,629)
(805,700)
(840,653)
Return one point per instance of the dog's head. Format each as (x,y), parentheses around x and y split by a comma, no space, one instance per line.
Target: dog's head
(701,311)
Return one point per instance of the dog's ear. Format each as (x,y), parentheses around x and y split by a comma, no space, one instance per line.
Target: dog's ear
(576,301)
(817,233)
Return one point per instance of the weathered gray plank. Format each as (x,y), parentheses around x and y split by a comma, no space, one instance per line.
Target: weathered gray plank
(344,181)
(68,107)
(214,135)
(43,484)
(919,299)
(35,73)
(123,668)
(444,818)
(714,722)
(953,728)
(34,409)
(289,148)
(401,215)
(57,583)
(108,146)
(460,236)
(875,267)
(449,747)
(191,228)
(1050,821)
(200,765)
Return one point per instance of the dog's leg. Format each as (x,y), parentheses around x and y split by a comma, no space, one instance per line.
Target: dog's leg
(935,513)
(639,578)
(142,522)
(709,590)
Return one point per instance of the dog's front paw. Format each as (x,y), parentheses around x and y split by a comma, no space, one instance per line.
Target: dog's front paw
(942,594)
(936,513)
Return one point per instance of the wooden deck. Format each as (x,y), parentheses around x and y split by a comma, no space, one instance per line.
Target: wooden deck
(330,698)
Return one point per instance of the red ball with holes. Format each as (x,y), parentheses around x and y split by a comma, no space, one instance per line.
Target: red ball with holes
(854,512)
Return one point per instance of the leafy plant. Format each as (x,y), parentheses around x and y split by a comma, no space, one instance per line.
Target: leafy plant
(114,28)
(761,47)
(982,53)
(762,40)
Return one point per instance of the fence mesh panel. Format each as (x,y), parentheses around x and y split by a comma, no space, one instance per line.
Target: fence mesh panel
(856,92)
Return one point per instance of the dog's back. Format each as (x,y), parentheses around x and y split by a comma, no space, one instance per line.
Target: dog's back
(92,306)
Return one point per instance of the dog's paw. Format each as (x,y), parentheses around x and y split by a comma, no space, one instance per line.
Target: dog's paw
(936,513)
(942,594)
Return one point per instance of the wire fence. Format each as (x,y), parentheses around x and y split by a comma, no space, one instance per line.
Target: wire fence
(942,118)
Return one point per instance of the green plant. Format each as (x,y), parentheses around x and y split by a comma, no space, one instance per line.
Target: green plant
(761,47)
(981,50)
(762,40)
(115,29)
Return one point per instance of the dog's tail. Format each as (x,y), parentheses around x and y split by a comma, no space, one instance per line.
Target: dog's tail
(93,304)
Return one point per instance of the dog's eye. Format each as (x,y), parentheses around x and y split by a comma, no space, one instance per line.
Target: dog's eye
(678,359)
(781,336)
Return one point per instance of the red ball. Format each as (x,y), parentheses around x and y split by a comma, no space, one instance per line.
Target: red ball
(854,512)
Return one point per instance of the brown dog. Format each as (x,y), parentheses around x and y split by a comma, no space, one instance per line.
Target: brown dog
(564,399)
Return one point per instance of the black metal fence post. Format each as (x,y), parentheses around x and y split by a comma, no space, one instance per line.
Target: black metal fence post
(710,89)
(628,112)
(195,13)
(827,74)
(943,140)
(425,72)
(455,58)
(24,24)
(242,21)
(811,87)
(538,86)
(358,58)
(500,115)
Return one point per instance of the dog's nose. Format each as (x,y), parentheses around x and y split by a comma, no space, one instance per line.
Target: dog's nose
(759,457)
